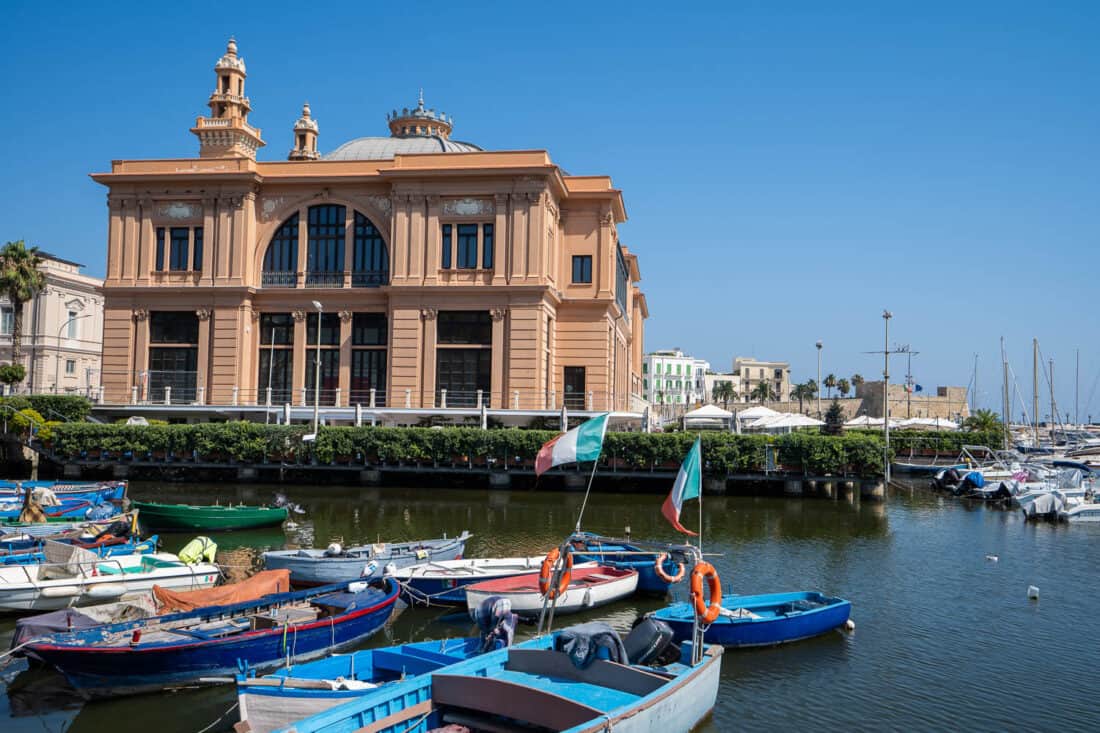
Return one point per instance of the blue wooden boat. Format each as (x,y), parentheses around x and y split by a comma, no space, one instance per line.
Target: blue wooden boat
(763,620)
(590,547)
(75,503)
(369,562)
(30,551)
(188,648)
(536,687)
(17,489)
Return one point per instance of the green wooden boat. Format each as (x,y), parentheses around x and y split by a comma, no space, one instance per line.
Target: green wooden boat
(186,517)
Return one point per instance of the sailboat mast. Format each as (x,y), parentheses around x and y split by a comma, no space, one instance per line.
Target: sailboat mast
(1035,390)
(1053,414)
(1004,394)
(1077,390)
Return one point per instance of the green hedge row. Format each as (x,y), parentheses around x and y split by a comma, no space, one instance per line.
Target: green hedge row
(60,407)
(723,453)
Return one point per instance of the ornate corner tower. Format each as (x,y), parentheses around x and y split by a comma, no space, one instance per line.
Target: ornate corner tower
(420,122)
(305,137)
(226,132)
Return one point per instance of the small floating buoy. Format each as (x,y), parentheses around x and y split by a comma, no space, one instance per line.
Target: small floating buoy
(849,625)
(290,525)
(992,558)
(1033,592)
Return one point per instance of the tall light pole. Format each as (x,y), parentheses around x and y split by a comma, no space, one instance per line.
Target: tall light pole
(57,356)
(819,345)
(886,316)
(317,373)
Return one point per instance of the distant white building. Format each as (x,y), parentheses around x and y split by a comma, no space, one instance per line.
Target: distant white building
(672,378)
(713,379)
(753,371)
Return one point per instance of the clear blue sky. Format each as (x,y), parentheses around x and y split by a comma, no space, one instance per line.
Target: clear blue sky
(789,169)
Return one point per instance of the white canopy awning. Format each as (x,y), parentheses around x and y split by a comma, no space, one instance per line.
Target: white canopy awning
(935,423)
(709,411)
(753,413)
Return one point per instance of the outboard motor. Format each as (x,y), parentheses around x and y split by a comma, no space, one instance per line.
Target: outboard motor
(650,642)
(496,622)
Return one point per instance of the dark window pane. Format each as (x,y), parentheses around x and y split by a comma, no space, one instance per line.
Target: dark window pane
(370,261)
(487,246)
(574,388)
(621,282)
(281,258)
(276,371)
(368,329)
(325,250)
(462,372)
(330,374)
(160,248)
(277,328)
(330,330)
(197,266)
(467,246)
(177,257)
(368,371)
(173,327)
(445,255)
(176,368)
(464,327)
(582,268)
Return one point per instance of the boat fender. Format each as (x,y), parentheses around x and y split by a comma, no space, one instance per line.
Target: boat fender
(849,625)
(658,568)
(390,569)
(106,590)
(547,573)
(357,586)
(588,598)
(333,550)
(61,591)
(1033,592)
(369,569)
(200,549)
(704,570)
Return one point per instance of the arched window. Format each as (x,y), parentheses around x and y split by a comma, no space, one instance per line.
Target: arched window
(325,249)
(281,259)
(370,262)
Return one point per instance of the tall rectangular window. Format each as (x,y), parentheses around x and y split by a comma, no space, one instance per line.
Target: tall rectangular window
(72,324)
(325,246)
(487,246)
(369,337)
(7,320)
(197,259)
(582,268)
(622,282)
(463,356)
(467,246)
(276,363)
(330,356)
(173,355)
(160,249)
(445,255)
(574,382)
(179,250)
(70,366)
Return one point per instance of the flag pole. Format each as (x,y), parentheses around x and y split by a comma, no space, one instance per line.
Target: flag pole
(700,441)
(584,503)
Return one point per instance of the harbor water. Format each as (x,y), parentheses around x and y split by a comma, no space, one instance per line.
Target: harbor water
(945,636)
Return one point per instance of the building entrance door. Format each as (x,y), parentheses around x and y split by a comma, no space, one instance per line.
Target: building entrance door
(574,388)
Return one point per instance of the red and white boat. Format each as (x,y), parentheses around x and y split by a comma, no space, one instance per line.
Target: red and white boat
(591,585)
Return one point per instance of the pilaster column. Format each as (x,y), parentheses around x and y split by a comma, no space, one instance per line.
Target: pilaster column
(116,208)
(432,242)
(498,383)
(345,356)
(303,248)
(202,379)
(399,255)
(427,383)
(145,251)
(301,348)
(417,238)
(209,239)
(349,247)
(141,351)
(517,234)
(605,261)
(535,236)
(502,258)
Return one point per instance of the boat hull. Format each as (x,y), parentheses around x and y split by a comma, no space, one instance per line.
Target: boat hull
(121,670)
(444,583)
(187,518)
(527,602)
(772,627)
(311,567)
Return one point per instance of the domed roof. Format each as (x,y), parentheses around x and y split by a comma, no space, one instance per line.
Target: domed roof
(417,130)
(384,148)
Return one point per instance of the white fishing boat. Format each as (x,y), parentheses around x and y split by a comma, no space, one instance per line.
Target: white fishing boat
(76,577)
(590,586)
(1085,509)
(444,582)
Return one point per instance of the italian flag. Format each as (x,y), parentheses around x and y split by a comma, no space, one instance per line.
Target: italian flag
(582,443)
(688,483)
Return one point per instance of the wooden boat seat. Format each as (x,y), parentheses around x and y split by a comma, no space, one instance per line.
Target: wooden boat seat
(602,673)
(512,700)
(287,616)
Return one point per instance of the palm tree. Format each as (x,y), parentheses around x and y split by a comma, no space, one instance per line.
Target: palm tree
(802,392)
(723,392)
(857,380)
(830,382)
(763,391)
(20,280)
(983,420)
(843,386)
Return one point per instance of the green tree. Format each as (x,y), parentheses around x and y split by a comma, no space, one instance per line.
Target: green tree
(763,392)
(843,386)
(983,420)
(723,392)
(857,380)
(830,382)
(802,392)
(20,280)
(834,419)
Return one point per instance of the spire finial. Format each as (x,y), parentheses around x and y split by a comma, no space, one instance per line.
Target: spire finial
(420,99)
(231,47)
(305,110)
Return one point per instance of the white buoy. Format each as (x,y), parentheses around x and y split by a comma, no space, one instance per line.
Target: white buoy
(992,558)
(849,625)
(1033,592)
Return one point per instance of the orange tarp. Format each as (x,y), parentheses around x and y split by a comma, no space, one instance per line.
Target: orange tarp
(260,584)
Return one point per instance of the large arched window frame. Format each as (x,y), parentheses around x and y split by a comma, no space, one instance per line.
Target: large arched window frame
(334,245)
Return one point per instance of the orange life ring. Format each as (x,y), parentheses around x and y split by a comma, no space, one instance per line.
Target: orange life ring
(658,567)
(706,614)
(547,573)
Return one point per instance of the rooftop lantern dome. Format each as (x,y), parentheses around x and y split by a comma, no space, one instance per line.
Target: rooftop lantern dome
(305,137)
(226,132)
(420,122)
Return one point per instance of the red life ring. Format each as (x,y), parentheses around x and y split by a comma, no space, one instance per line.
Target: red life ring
(658,567)
(706,614)
(547,572)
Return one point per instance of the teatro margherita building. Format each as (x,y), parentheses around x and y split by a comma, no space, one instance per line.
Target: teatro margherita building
(422,269)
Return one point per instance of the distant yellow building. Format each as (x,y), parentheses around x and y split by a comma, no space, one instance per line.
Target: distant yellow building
(436,271)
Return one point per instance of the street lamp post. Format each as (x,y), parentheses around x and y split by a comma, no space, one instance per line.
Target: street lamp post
(57,356)
(819,345)
(886,316)
(317,373)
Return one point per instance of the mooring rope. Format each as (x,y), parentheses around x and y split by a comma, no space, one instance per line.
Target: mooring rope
(220,718)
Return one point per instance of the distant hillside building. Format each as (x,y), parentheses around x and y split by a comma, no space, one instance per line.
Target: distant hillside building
(671,377)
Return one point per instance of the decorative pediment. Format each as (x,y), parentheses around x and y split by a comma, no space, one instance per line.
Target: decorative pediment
(179,210)
(468,207)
